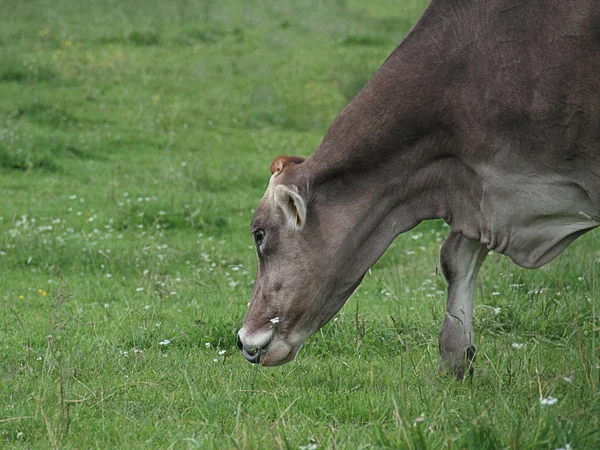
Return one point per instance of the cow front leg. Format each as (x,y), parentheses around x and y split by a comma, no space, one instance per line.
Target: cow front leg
(460,259)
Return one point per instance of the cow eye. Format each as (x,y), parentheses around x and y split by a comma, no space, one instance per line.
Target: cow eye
(259,236)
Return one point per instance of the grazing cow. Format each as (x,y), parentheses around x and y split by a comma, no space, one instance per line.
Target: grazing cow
(486,115)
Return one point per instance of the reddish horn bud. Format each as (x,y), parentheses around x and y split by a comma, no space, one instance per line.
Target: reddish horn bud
(281,162)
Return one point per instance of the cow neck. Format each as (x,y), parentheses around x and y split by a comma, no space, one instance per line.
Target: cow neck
(384,143)
(393,147)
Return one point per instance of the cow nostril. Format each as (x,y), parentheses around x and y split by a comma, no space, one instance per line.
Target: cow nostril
(239,343)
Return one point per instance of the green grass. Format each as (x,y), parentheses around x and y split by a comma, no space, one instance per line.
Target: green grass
(135,141)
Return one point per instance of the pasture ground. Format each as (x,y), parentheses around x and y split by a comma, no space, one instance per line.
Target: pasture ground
(135,141)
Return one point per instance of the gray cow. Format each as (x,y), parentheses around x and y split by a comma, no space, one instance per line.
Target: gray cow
(486,115)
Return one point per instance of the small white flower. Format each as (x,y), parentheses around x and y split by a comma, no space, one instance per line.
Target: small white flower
(106,305)
(419,419)
(548,401)
(569,379)
(39,358)
(275,320)
(566,447)
(140,289)
(165,342)
(109,275)
(207,345)
(517,345)
(222,352)
(137,351)
(147,307)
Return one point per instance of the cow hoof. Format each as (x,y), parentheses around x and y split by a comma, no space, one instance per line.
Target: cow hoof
(459,363)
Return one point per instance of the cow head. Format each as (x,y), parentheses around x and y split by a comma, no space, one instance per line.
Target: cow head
(299,286)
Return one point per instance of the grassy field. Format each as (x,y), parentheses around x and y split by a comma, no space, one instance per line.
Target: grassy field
(135,141)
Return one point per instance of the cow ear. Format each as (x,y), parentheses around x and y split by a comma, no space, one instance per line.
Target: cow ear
(292,204)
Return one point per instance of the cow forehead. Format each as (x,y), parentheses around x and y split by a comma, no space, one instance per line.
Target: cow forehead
(260,218)
(265,210)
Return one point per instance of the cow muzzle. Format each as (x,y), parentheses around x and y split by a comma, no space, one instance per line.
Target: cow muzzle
(254,346)
(265,348)
(253,355)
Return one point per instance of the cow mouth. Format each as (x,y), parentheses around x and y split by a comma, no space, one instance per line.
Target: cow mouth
(273,355)
(255,357)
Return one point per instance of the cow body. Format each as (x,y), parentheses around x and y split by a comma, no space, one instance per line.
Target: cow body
(487,115)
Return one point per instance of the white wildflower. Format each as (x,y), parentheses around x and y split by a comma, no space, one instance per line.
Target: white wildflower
(222,352)
(548,401)
(419,419)
(165,342)
(566,447)
(570,378)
